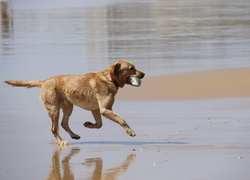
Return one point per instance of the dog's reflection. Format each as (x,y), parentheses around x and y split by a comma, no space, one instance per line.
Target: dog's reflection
(97,174)
(55,172)
(112,173)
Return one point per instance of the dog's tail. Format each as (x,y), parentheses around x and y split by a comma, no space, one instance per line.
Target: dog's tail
(28,84)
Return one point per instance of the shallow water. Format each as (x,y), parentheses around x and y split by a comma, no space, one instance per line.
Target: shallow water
(183,139)
(43,37)
(201,139)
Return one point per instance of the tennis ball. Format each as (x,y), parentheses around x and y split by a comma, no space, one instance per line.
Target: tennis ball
(135,81)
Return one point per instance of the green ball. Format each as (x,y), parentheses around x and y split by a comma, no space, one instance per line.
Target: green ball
(135,81)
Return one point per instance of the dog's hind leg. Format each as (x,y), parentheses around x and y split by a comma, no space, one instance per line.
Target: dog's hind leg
(49,100)
(98,120)
(67,108)
(53,112)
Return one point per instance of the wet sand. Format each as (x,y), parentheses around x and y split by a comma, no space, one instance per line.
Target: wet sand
(219,83)
(190,126)
(203,135)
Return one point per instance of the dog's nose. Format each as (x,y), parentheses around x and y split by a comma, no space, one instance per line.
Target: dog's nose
(142,75)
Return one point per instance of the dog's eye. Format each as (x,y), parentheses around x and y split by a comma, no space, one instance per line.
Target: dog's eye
(132,68)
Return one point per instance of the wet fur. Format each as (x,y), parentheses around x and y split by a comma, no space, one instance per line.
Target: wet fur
(93,91)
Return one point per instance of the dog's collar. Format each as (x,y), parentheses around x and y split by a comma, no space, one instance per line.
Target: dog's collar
(112,77)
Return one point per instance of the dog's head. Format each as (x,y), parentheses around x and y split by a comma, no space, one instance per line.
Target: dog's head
(123,71)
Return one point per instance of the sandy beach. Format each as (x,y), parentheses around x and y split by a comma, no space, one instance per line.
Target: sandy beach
(192,131)
(192,121)
(216,83)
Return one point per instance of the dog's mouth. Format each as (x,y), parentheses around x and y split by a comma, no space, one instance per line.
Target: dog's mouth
(134,81)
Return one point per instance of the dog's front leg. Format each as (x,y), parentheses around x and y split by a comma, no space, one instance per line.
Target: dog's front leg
(116,118)
(98,119)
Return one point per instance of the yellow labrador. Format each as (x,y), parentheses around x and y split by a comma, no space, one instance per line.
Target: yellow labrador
(93,91)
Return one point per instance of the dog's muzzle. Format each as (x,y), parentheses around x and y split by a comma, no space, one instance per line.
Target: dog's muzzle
(136,80)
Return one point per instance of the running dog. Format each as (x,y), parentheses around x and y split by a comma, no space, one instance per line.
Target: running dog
(93,91)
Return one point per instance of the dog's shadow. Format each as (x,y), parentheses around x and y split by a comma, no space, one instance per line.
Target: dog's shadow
(97,174)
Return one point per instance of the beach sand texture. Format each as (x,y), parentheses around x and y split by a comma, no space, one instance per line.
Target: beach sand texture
(217,83)
(190,125)
(196,137)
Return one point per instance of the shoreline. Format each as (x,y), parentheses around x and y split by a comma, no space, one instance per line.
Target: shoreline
(210,134)
(215,83)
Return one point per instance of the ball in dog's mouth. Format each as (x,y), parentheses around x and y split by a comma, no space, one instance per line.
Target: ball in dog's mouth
(135,81)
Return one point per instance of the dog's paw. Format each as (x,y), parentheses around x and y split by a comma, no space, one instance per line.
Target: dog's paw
(88,124)
(63,143)
(75,136)
(130,132)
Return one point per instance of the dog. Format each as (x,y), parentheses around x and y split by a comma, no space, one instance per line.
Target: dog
(94,92)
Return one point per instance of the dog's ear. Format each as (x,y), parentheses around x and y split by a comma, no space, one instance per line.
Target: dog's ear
(116,69)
